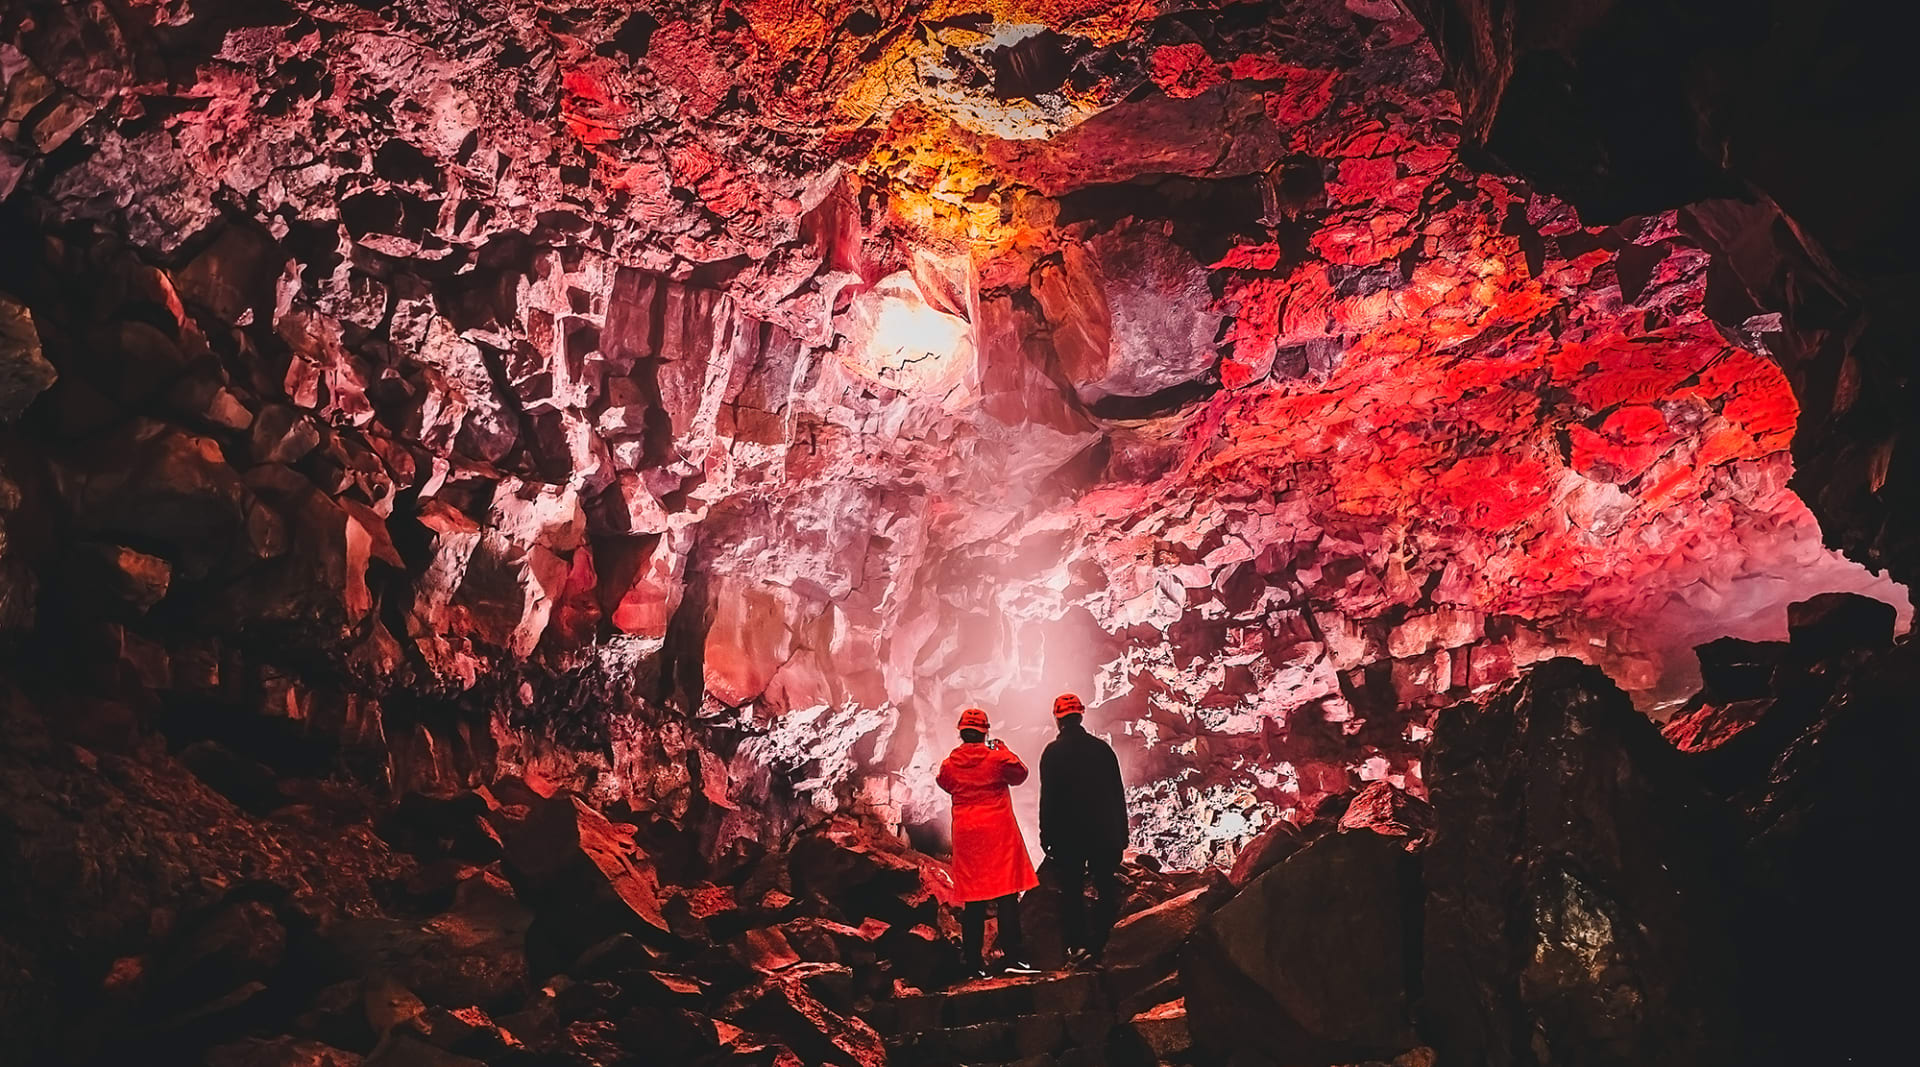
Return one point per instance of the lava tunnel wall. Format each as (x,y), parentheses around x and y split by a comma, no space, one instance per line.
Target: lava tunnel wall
(698,405)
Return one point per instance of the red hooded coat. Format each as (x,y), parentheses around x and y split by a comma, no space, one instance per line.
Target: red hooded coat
(989,856)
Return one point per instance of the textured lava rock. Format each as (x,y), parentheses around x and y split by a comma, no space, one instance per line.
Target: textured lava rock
(436,426)
(1338,988)
(1146,937)
(784,1004)
(472,954)
(1578,880)
(582,874)
(1799,245)
(24,371)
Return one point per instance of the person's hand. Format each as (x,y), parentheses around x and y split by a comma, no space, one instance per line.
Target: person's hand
(994,742)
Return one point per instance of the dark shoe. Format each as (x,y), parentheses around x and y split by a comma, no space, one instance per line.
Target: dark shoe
(1079,959)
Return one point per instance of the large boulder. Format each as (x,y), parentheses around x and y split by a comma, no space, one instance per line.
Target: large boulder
(1834,623)
(1321,949)
(582,873)
(1131,313)
(1157,932)
(1826,822)
(1732,669)
(473,954)
(783,1004)
(1578,885)
(865,872)
(1387,809)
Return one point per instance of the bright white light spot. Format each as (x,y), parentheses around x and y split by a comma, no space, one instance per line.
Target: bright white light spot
(896,338)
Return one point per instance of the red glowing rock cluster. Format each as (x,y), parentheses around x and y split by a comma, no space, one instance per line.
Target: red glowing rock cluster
(812,374)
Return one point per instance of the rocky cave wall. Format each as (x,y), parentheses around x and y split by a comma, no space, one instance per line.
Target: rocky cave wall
(696,405)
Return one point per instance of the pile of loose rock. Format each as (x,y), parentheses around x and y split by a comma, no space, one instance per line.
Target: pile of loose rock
(1577,889)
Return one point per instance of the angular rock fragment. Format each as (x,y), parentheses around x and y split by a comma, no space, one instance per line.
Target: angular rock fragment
(1610,937)
(1333,989)
(473,954)
(583,874)
(24,371)
(1835,623)
(782,1004)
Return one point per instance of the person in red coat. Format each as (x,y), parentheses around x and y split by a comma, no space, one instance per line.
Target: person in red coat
(990,863)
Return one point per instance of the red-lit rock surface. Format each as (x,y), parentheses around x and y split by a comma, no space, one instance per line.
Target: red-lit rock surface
(695,408)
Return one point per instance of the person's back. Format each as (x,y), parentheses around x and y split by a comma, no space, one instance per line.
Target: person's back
(990,864)
(1083,803)
(1083,826)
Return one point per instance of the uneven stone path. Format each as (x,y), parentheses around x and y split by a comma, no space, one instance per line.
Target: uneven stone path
(1063,1018)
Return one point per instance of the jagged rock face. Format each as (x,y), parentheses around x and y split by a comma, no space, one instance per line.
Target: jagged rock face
(1729,112)
(700,405)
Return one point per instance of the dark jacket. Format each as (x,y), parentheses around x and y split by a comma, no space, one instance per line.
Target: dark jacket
(1083,805)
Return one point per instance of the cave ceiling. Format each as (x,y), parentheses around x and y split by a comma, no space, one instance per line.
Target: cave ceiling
(831,367)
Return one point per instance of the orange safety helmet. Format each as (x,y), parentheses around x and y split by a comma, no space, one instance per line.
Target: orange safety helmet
(1067,704)
(974,719)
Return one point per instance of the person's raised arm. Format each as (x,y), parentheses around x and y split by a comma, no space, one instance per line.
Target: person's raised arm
(1012,771)
(945,779)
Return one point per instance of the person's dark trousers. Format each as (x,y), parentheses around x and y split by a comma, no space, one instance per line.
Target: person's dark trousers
(1075,871)
(973,928)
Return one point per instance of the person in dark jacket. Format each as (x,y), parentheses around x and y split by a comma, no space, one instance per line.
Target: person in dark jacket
(1083,828)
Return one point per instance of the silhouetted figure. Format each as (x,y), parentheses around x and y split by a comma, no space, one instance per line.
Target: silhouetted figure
(990,863)
(1083,828)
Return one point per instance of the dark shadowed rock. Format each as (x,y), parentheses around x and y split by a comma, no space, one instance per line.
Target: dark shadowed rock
(1824,903)
(280,1052)
(239,943)
(854,864)
(337,1016)
(406,1050)
(452,824)
(1834,623)
(135,578)
(473,954)
(1732,669)
(1272,845)
(1323,949)
(1577,885)
(247,782)
(1163,1030)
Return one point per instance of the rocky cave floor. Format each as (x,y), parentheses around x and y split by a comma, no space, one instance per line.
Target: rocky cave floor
(1583,887)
